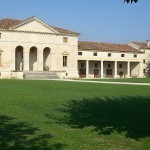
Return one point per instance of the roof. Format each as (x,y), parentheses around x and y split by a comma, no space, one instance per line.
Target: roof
(142,45)
(60,30)
(8,23)
(84,45)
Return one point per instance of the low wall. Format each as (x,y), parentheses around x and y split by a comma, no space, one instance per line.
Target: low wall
(11,75)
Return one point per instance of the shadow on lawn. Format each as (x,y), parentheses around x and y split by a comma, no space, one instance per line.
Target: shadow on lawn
(21,135)
(125,114)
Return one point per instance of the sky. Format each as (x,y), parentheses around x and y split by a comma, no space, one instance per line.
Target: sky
(96,20)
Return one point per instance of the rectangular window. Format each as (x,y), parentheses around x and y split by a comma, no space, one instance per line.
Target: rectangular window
(144,70)
(65,39)
(109,65)
(109,54)
(120,65)
(135,55)
(122,55)
(64,61)
(0,35)
(144,61)
(79,53)
(94,54)
(82,65)
(96,65)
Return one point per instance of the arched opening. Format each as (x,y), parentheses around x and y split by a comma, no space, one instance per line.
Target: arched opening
(19,58)
(33,59)
(46,59)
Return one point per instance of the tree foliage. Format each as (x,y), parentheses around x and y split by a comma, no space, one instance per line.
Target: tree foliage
(128,1)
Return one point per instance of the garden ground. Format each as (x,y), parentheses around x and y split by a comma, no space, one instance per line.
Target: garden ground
(70,115)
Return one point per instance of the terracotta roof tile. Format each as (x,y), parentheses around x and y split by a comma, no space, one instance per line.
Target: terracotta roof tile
(60,30)
(143,45)
(83,45)
(8,23)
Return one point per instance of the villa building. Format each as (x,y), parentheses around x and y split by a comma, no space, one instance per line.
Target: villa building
(31,47)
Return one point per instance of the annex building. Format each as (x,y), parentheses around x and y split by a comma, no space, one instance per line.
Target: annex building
(31,48)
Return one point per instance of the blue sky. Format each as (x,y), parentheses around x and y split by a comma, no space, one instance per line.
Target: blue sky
(96,20)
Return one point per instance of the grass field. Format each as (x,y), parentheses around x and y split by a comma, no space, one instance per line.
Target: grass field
(130,80)
(73,116)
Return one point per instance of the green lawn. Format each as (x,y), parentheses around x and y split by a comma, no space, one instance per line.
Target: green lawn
(131,80)
(73,116)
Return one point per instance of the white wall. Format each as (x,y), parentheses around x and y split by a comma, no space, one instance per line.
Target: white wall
(10,40)
(115,56)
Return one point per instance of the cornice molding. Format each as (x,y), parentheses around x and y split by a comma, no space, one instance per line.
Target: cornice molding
(33,32)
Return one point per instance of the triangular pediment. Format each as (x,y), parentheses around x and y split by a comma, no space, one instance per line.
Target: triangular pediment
(34,25)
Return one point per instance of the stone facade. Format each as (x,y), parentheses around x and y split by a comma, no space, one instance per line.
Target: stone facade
(32,45)
(35,47)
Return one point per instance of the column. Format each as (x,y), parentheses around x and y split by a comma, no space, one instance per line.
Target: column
(53,61)
(40,61)
(102,69)
(26,61)
(141,74)
(87,68)
(13,60)
(128,69)
(115,70)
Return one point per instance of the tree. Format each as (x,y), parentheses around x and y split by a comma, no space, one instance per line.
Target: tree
(147,70)
(128,1)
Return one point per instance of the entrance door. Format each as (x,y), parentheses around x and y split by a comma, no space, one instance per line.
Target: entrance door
(96,73)
(109,73)
(82,73)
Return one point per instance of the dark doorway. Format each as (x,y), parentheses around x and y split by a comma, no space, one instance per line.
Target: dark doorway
(109,73)
(82,73)
(96,73)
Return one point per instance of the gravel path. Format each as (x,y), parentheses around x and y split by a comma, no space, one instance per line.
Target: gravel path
(86,81)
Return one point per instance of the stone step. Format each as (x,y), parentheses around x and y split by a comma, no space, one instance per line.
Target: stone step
(40,75)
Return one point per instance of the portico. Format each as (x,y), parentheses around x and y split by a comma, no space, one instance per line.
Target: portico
(108,69)
(32,59)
